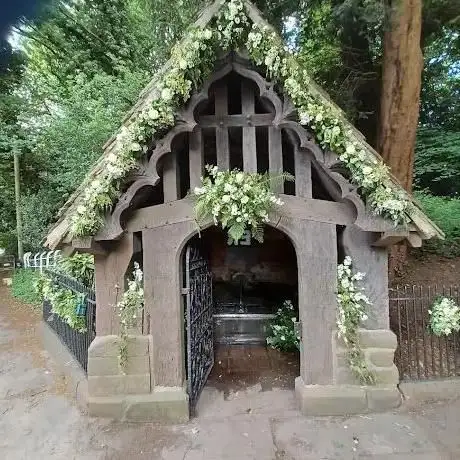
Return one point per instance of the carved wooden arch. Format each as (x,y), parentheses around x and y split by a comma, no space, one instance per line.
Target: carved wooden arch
(284,111)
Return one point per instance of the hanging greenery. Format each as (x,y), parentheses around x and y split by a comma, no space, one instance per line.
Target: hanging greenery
(191,62)
(70,306)
(237,200)
(64,302)
(129,310)
(444,316)
(351,311)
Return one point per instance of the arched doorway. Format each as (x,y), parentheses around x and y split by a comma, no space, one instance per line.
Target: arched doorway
(232,295)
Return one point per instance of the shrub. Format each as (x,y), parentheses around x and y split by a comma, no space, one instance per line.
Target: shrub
(445,212)
(282,333)
(23,286)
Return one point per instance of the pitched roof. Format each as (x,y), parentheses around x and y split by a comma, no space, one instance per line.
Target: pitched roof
(59,232)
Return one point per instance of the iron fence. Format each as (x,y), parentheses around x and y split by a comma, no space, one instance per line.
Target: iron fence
(421,355)
(41,260)
(76,342)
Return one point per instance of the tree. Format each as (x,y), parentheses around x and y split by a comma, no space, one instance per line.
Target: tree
(401,83)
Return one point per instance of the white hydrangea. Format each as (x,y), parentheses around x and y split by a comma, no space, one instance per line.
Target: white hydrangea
(444,316)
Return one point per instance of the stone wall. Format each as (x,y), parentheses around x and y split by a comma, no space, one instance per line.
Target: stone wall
(129,395)
(346,395)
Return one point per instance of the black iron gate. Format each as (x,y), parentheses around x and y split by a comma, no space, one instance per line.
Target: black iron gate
(199,323)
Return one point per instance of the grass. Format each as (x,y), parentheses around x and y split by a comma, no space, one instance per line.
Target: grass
(23,286)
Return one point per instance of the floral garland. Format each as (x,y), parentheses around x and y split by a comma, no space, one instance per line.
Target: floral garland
(237,200)
(444,316)
(191,61)
(352,305)
(129,310)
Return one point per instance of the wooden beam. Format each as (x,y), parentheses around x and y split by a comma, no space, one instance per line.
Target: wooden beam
(224,121)
(414,240)
(222,140)
(249,132)
(293,208)
(88,245)
(275,155)
(390,238)
(302,164)
(196,158)
(171,182)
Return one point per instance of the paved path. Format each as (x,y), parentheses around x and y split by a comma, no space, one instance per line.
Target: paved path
(38,420)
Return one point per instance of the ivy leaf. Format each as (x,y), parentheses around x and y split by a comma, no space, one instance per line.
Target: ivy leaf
(236,231)
(258,233)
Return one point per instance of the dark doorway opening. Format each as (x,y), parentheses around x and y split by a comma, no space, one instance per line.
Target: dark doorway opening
(250,282)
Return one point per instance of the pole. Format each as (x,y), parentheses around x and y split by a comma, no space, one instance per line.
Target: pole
(17,191)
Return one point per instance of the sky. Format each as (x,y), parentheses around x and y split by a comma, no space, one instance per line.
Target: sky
(10,12)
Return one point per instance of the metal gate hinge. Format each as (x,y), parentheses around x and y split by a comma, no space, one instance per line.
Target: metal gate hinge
(185,291)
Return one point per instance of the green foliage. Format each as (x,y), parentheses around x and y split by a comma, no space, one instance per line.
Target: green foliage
(64,302)
(437,161)
(281,331)
(444,316)
(23,286)
(445,212)
(80,267)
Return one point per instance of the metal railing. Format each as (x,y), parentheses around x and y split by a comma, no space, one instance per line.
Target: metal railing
(41,260)
(420,354)
(76,342)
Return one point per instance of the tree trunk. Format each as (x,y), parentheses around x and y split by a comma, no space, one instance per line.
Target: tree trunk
(400,99)
(401,81)
(17,190)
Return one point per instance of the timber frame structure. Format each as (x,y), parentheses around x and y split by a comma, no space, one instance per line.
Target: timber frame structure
(237,118)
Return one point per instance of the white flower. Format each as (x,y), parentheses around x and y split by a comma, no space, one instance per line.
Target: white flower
(199,190)
(207,34)
(166,94)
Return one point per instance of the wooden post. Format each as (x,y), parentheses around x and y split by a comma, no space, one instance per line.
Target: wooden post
(171,183)
(302,164)
(249,132)
(196,159)
(222,142)
(110,276)
(275,155)
(317,270)
(163,300)
(373,261)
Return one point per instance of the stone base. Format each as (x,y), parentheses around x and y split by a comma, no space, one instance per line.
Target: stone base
(345,399)
(162,405)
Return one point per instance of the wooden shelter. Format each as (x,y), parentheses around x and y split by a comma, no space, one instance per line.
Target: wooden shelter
(237,119)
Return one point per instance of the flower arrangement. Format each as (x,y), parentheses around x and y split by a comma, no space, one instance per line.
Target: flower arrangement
(444,316)
(191,61)
(351,311)
(282,333)
(129,311)
(237,200)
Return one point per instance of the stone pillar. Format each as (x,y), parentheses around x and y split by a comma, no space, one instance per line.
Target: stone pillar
(373,261)
(110,272)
